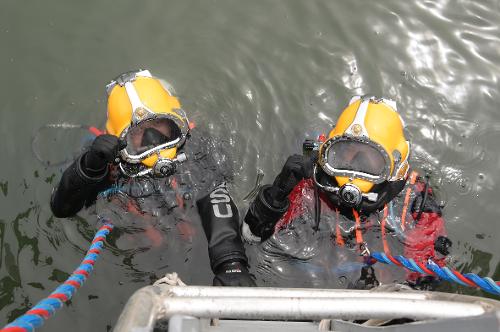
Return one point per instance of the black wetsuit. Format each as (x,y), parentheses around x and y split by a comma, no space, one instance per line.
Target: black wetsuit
(196,191)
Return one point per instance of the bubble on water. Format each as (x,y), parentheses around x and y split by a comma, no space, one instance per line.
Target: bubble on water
(321,92)
(258,124)
(464,186)
(249,95)
(325,117)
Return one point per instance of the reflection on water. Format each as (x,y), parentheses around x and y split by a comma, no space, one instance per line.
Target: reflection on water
(263,76)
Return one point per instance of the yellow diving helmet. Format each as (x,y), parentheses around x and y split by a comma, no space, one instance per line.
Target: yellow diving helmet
(366,147)
(144,113)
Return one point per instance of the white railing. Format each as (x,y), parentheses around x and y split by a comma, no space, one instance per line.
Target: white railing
(160,302)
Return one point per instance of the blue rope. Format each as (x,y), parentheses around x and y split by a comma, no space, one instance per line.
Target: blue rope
(445,273)
(44,309)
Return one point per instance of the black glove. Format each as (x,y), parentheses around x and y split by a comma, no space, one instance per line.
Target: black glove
(272,201)
(103,151)
(367,280)
(430,205)
(296,168)
(442,245)
(233,273)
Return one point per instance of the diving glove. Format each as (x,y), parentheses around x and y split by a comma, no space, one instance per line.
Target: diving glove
(272,201)
(443,245)
(233,273)
(296,168)
(104,150)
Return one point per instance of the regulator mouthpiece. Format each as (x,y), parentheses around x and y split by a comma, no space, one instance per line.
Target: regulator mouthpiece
(167,167)
(350,195)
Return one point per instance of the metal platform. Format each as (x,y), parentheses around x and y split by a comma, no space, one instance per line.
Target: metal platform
(391,308)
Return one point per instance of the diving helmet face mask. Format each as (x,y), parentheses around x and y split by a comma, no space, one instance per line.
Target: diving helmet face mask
(149,133)
(355,158)
(362,154)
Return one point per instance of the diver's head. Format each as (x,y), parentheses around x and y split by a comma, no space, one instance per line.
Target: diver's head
(143,111)
(365,153)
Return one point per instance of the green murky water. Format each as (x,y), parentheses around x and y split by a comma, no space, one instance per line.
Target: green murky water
(263,74)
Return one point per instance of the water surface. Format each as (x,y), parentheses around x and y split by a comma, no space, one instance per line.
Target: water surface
(262,74)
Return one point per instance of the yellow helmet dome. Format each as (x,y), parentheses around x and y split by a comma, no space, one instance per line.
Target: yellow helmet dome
(144,113)
(367,146)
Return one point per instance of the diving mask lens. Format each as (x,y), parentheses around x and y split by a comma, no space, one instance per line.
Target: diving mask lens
(151,135)
(355,156)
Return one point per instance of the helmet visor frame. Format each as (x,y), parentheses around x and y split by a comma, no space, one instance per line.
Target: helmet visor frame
(338,157)
(175,136)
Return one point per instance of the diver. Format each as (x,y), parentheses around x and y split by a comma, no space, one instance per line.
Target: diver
(356,193)
(163,170)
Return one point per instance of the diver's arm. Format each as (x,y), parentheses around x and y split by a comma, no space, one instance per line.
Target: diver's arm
(75,189)
(220,220)
(82,180)
(428,217)
(263,214)
(427,239)
(272,201)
